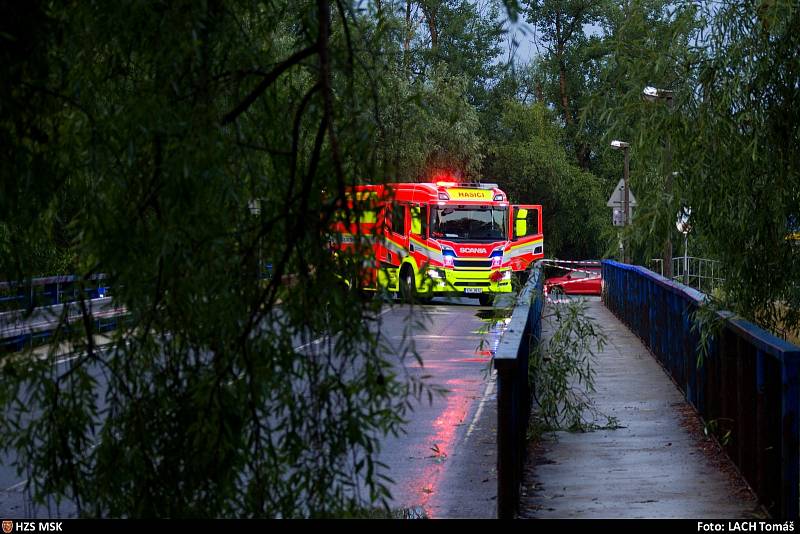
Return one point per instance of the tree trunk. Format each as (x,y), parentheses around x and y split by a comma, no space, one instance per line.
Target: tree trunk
(561,42)
(407,36)
(583,151)
(430,11)
(562,87)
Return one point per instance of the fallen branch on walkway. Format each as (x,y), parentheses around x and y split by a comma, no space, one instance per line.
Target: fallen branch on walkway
(562,372)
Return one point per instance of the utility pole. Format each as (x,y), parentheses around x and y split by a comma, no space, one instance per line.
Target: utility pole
(653,94)
(626,206)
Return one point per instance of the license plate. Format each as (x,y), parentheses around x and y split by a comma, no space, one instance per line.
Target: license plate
(473,290)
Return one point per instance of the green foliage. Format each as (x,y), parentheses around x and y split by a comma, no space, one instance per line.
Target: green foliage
(720,429)
(530,162)
(730,136)
(708,322)
(393,513)
(566,70)
(647,45)
(562,370)
(148,134)
(178,147)
(429,127)
(464,35)
(745,182)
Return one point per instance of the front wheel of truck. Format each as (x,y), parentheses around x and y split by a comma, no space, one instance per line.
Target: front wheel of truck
(408,286)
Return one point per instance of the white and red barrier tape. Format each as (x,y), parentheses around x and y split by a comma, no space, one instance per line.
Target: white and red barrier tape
(576,262)
(560,265)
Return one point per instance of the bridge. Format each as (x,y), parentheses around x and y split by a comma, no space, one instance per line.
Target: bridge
(711,434)
(698,433)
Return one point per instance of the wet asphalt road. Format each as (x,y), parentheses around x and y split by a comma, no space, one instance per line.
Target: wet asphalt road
(444,464)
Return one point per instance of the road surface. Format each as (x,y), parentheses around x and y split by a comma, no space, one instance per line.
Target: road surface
(444,464)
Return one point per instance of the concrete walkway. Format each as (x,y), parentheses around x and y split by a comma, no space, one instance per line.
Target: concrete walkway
(659,464)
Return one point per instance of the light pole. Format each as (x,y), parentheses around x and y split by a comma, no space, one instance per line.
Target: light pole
(653,94)
(254,206)
(685,226)
(622,145)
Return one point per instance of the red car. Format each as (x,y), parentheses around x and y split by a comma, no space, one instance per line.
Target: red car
(578,281)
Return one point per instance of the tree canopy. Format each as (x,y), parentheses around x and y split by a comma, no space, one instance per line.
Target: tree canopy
(179,147)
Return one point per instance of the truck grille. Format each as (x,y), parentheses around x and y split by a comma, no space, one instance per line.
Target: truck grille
(471,284)
(482,264)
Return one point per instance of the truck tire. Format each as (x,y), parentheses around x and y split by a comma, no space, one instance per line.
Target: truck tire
(408,286)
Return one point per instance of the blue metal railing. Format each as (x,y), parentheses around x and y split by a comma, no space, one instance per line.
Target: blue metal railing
(50,291)
(31,310)
(514,390)
(20,328)
(745,388)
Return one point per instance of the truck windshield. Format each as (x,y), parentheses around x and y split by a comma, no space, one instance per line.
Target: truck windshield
(478,223)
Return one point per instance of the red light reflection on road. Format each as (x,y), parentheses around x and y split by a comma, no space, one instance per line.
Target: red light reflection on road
(440,444)
(427,488)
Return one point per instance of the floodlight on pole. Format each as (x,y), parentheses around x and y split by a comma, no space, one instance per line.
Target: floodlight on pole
(624,146)
(653,94)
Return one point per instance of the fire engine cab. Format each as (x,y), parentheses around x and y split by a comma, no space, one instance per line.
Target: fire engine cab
(443,238)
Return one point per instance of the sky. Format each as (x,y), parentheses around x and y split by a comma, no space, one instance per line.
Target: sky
(521,39)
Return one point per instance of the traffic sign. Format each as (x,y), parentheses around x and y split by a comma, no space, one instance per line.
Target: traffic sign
(683,222)
(617,198)
(618,217)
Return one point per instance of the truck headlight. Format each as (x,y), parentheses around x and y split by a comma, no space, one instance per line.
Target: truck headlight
(433,273)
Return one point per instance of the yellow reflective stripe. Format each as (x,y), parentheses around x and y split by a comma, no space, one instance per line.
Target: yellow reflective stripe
(528,244)
(423,245)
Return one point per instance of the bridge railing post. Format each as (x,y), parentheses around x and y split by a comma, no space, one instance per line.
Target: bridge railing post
(790,456)
(506,495)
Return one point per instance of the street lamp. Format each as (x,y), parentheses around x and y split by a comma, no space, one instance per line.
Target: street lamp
(622,145)
(653,94)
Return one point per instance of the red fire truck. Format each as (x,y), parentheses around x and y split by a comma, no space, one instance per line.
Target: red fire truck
(443,238)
